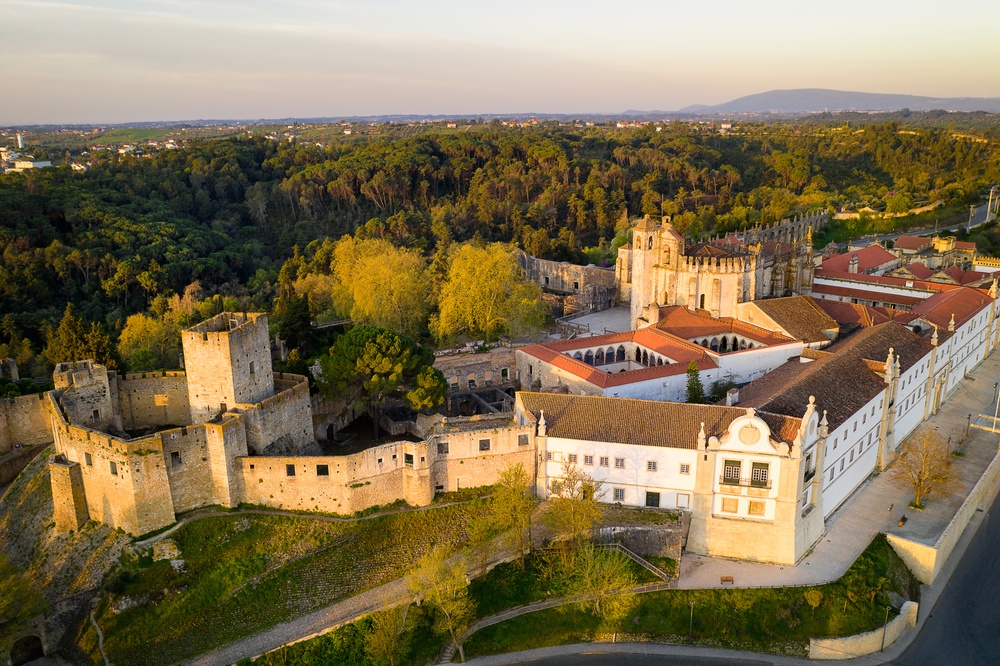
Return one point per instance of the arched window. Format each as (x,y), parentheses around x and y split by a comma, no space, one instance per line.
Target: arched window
(599,357)
(743,344)
(609,355)
(715,345)
(578,356)
(588,358)
(650,242)
(702,301)
(645,357)
(659,361)
(620,354)
(704,343)
(638,355)
(724,347)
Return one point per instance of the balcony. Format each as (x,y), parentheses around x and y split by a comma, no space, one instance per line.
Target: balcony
(810,473)
(745,483)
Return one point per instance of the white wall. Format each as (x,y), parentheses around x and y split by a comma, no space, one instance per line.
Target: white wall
(851,454)
(634,479)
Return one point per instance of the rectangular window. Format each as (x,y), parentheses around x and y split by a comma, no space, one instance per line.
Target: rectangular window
(484,445)
(252,367)
(685,468)
(87,459)
(756,508)
(97,415)
(759,475)
(841,465)
(289,470)
(683,500)
(504,374)
(572,459)
(730,504)
(852,455)
(652,499)
(650,465)
(619,463)
(604,461)
(731,471)
(588,460)
(322,470)
(442,448)
(619,494)
(522,440)
(408,459)
(175,458)
(548,455)
(379,461)
(114,467)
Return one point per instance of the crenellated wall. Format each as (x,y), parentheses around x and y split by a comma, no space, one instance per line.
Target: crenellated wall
(281,423)
(150,399)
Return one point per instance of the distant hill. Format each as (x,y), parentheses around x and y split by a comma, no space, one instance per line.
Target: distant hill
(810,100)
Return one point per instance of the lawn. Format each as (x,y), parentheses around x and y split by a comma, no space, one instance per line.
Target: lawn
(777,620)
(242,574)
(346,646)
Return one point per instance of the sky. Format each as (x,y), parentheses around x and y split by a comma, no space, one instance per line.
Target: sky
(114,61)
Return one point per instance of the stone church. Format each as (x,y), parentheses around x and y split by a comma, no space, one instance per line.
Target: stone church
(659,269)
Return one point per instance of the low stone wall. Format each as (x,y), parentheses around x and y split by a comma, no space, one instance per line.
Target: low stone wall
(649,540)
(862,644)
(12,463)
(926,561)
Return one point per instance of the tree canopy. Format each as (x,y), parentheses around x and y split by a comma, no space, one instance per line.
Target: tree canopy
(381,365)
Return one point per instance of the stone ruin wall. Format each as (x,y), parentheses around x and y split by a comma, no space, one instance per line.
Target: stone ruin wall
(24,420)
(148,399)
(465,466)
(587,288)
(88,395)
(485,369)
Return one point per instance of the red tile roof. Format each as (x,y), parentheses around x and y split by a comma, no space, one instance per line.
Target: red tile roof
(916,243)
(642,422)
(964,303)
(884,280)
(965,245)
(680,351)
(869,258)
(799,316)
(689,324)
(851,314)
(919,271)
(868,295)
(847,379)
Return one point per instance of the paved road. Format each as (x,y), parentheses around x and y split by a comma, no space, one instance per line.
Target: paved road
(978,219)
(965,622)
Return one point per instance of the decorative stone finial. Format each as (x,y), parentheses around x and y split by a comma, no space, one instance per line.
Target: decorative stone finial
(951,324)
(541,425)
(934,338)
(702,437)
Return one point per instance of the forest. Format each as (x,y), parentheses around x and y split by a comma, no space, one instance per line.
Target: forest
(165,238)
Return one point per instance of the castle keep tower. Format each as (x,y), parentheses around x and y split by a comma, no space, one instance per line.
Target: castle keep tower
(228,363)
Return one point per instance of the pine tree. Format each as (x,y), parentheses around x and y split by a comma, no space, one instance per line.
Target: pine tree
(695,390)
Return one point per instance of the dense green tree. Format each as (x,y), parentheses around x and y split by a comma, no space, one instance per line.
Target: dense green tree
(381,365)
(695,389)
(150,343)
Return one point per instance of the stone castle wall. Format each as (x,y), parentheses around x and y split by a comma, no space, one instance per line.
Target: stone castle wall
(591,288)
(281,423)
(125,482)
(228,362)
(153,399)
(88,395)
(24,420)
(466,465)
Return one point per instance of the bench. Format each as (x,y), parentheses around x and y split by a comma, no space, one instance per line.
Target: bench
(726,579)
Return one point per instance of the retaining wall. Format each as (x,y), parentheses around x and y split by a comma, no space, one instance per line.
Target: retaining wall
(849,647)
(925,561)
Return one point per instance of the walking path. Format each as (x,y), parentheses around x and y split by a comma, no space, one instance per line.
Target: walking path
(866,513)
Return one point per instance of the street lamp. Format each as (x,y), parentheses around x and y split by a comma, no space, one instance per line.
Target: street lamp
(968,423)
(691,624)
(888,523)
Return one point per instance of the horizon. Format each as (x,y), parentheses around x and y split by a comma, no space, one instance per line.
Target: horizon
(116,62)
